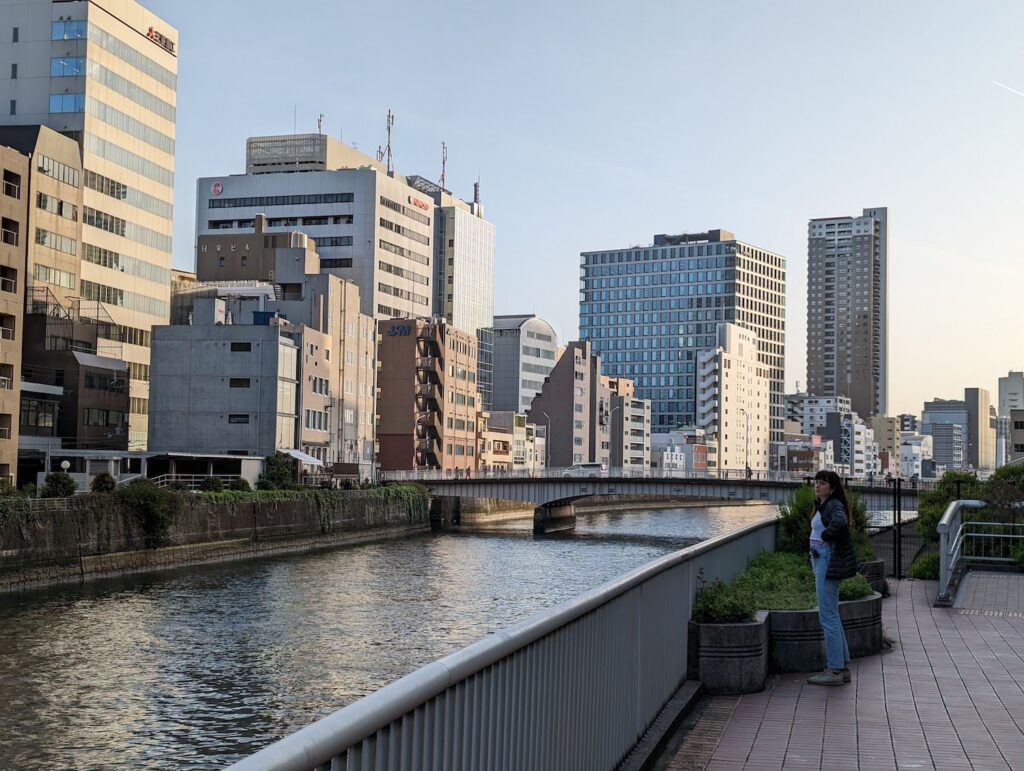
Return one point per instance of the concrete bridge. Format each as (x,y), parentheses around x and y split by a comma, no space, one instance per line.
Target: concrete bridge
(553,495)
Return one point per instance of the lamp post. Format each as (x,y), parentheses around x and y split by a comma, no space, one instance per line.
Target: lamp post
(746,433)
(547,444)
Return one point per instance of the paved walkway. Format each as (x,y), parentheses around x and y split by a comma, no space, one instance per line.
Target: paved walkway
(949,696)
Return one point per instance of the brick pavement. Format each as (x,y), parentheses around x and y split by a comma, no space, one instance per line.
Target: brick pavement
(949,696)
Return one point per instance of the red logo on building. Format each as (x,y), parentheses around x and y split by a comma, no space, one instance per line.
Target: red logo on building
(164,42)
(417,202)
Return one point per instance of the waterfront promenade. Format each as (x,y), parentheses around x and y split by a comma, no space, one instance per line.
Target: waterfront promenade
(948,696)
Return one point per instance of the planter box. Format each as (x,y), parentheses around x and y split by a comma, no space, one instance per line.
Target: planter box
(797,642)
(874,572)
(732,658)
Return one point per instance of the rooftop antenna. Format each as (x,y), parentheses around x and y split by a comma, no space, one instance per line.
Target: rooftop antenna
(476,191)
(444,163)
(320,123)
(387,149)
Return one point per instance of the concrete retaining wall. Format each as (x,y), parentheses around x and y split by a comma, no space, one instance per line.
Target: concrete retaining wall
(97,537)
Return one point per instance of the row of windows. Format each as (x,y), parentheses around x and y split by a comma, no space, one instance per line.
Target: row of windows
(95,417)
(402,293)
(126,53)
(404,231)
(102,381)
(56,241)
(138,371)
(49,275)
(387,246)
(138,406)
(334,241)
(125,299)
(123,334)
(317,420)
(125,229)
(67,67)
(131,91)
(403,273)
(538,353)
(121,192)
(57,170)
(129,160)
(125,264)
(129,125)
(280,200)
(338,262)
(60,103)
(395,206)
(387,310)
(321,386)
(38,414)
(57,206)
(68,30)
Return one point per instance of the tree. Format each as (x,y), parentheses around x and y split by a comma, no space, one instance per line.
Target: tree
(59,484)
(211,484)
(103,483)
(240,484)
(931,504)
(278,473)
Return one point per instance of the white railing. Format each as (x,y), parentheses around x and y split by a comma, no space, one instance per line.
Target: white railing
(971,541)
(191,481)
(573,687)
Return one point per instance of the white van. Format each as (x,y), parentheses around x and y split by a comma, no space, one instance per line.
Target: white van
(586,470)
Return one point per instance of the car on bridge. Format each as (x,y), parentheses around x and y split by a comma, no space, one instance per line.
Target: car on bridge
(586,470)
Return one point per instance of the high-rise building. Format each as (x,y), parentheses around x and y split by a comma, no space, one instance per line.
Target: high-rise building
(981,429)
(1011,392)
(648,310)
(630,435)
(946,420)
(847,317)
(104,72)
(525,352)
(734,401)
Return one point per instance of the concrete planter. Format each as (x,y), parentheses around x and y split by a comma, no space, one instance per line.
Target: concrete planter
(732,658)
(874,572)
(797,642)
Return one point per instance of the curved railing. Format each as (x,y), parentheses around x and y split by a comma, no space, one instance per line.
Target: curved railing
(573,687)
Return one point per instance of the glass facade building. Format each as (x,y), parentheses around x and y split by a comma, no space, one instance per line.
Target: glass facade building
(649,310)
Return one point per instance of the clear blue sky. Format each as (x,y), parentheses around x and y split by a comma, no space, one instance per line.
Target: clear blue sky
(595,125)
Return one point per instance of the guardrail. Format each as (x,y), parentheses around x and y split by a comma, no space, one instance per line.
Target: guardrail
(573,687)
(952,535)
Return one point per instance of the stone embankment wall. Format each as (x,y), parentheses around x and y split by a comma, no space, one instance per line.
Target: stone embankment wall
(94,535)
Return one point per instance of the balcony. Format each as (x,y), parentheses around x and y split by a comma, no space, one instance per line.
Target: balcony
(428,390)
(428,363)
(427,446)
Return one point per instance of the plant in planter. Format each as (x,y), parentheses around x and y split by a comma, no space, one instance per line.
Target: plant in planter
(730,638)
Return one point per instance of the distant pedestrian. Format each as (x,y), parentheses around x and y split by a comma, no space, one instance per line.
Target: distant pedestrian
(833,559)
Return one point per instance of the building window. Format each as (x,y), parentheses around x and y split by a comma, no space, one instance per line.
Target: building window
(236,418)
(14,70)
(14,107)
(239,382)
(241,346)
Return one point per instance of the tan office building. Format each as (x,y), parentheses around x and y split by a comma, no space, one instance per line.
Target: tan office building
(428,405)
(104,72)
(13,222)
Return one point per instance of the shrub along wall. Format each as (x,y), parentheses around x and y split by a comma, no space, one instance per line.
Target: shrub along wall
(104,534)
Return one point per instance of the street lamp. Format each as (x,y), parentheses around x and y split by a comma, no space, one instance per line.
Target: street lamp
(547,443)
(746,452)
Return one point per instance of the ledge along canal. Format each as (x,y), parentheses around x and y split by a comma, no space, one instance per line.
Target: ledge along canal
(199,666)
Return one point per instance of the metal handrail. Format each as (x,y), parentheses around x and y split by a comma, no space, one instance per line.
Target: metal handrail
(950,542)
(516,699)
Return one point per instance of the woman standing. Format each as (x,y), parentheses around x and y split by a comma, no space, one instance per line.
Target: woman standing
(833,559)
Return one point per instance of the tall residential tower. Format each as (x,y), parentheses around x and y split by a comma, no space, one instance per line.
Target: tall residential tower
(847,318)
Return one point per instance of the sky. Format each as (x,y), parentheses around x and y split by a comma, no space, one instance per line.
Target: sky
(595,125)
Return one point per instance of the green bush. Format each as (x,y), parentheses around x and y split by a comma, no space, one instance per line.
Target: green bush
(59,484)
(854,588)
(931,504)
(211,484)
(103,483)
(240,485)
(278,473)
(793,532)
(153,506)
(778,581)
(722,604)
(926,566)
(6,488)
(1018,556)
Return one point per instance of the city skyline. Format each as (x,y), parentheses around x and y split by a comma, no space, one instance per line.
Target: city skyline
(723,130)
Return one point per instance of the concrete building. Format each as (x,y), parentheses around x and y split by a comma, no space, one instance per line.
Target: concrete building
(649,310)
(887,437)
(802,454)
(513,445)
(574,405)
(847,309)
(1016,443)
(329,408)
(104,72)
(946,420)
(810,411)
(630,435)
(734,400)
(13,236)
(854,450)
(915,454)
(907,422)
(683,452)
(428,406)
(981,429)
(525,352)
(1011,392)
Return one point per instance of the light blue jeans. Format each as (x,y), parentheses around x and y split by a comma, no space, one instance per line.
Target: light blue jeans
(837,652)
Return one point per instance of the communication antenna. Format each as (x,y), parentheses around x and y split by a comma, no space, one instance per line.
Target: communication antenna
(320,123)
(444,163)
(387,148)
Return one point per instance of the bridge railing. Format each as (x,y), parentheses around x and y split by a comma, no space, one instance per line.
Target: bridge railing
(979,540)
(573,687)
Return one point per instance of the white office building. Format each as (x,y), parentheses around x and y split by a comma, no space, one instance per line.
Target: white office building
(810,411)
(525,352)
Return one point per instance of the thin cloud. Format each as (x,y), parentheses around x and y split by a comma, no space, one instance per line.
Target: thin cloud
(1012,90)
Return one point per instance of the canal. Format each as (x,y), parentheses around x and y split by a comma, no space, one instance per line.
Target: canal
(197,667)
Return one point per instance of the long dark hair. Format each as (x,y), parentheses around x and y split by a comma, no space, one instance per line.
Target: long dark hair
(837,488)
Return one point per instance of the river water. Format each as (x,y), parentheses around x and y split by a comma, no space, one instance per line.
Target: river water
(200,666)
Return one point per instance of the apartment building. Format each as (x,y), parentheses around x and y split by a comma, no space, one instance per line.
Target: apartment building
(810,411)
(512,445)
(13,234)
(525,352)
(946,421)
(428,405)
(847,309)
(981,429)
(630,434)
(734,400)
(648,310)
(104,73)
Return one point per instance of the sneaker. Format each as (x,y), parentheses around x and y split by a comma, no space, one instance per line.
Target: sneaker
(846,675)
(828,677)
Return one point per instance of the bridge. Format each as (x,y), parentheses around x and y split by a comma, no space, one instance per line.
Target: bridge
(554,491)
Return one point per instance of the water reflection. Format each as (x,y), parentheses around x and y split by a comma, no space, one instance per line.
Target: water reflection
(196,667)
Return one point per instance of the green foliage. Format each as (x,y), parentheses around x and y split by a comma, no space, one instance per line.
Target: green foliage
(153,506)
(931,504)
(59,484)
(211,484)
(793,531)
(722,604)
(240,485)
(778,581)
(1018,556)
(179,487)
(7,489)
(103,483)
(926,566)
(854,588)
(278,473)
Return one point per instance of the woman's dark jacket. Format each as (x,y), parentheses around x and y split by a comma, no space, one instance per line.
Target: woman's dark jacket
(843,562)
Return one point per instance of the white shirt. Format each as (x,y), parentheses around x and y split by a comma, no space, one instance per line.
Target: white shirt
(816,529)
